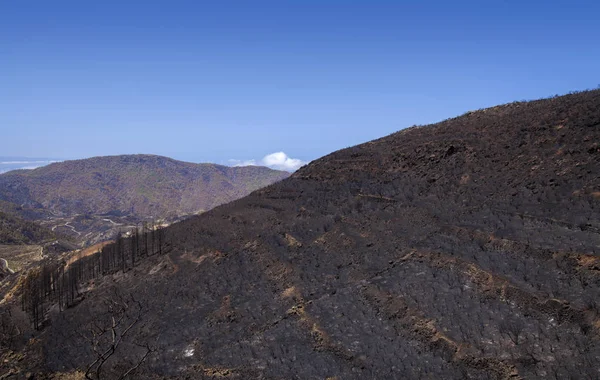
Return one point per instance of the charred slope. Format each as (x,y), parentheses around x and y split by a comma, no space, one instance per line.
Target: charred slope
(136,185)
(465,249)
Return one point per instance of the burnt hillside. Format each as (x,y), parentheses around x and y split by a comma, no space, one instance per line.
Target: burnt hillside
(465,249)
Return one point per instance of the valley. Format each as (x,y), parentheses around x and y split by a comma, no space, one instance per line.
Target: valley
(68,210)
(89,200)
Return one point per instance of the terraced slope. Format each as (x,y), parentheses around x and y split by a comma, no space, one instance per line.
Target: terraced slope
(464,249)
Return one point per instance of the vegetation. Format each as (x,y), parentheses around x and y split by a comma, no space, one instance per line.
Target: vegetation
(90,200)
(14,230)
(138,185)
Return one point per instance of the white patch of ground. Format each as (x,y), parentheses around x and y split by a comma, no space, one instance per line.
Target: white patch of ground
(188,352)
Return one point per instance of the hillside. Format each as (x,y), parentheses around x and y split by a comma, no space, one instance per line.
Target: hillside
(87,199)
(15,230)
(465,249)
(141,185)
(24,243)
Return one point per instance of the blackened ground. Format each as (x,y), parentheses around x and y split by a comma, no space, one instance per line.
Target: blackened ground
(465,249)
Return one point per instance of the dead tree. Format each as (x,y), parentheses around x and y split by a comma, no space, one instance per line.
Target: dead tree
(32,298)
(120,324)
(9,331)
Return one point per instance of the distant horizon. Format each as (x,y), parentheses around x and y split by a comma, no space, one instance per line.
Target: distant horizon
(276,160)
(212,82)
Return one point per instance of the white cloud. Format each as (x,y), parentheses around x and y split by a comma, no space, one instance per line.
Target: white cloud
(277,160)
(31,167)
(233,162)
(282,161)
(25,162)
(6,166)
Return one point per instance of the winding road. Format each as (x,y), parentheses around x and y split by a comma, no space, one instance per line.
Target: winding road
(4,266)
(116,224)
(67,225)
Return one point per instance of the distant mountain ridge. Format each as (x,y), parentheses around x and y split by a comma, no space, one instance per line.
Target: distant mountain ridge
(143,185)
(90,200)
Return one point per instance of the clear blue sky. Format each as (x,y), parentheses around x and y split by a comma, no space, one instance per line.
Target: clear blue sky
(219,80)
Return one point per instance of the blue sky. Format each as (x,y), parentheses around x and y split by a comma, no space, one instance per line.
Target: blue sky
(213,81)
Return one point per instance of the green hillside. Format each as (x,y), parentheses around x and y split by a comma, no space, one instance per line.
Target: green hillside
(139,185)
